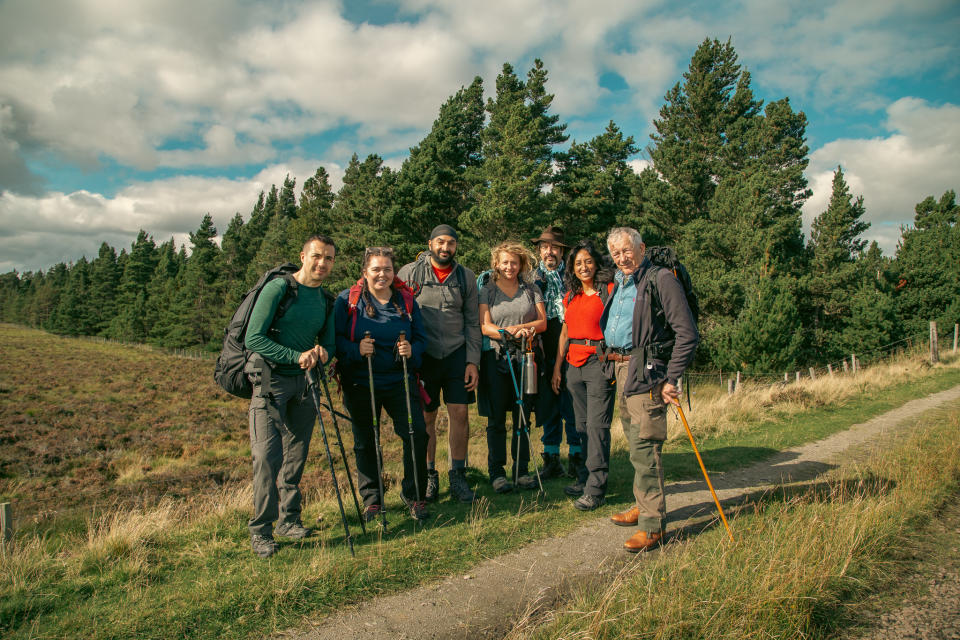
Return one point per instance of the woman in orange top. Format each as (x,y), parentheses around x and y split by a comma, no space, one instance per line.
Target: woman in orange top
(592,389)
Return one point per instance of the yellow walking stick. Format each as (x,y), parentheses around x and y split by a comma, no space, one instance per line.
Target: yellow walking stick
(693,444)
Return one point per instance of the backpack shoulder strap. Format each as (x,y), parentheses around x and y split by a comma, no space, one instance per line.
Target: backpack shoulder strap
(352,299)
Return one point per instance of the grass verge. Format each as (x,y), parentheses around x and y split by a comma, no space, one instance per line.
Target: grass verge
(182,567)
(799,559)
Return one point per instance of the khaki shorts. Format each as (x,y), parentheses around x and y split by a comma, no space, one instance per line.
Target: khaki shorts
(648,413)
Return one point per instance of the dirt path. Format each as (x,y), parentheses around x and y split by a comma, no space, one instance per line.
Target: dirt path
(488,600)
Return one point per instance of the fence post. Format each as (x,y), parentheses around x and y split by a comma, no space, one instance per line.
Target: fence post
(845,368)
(956,332)
(853,362)
(798,376)
(729,386)
(786,378)
(830,370)
(6,522)
(934,352)
(736,387)
(813,376)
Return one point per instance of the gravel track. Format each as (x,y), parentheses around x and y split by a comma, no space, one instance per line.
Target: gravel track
(486,602)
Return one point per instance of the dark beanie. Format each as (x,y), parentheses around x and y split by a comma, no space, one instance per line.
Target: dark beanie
(443,230)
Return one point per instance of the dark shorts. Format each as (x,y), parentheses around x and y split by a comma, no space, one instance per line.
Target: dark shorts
(446,374)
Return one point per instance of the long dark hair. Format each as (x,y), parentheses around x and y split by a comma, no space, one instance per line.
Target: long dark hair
(371,309)
(603,275)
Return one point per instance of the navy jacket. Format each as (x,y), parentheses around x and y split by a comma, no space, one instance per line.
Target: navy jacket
(385,329)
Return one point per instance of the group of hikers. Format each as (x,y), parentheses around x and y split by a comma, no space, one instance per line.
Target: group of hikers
(591,333)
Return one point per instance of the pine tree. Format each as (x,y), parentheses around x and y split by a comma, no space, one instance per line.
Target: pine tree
(767,336)
(74,314)
(104,280)
(517,163)
(129,322)
(313,214)
(436,183)
(363,216)
(834,276)
(726,190)
(928,266)
(594,187)
(162,292)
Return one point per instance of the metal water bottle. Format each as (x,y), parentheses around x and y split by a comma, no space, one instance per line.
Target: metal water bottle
(529,373)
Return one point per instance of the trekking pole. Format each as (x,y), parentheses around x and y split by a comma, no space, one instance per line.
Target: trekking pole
(343,453)
(312,382)
(517,391)
(406,393)
(676,405)
(376,438)
(525,346)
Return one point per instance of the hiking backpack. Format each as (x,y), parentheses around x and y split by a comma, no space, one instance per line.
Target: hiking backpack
(228,372)
(419,272)
(666,258)
(406,294)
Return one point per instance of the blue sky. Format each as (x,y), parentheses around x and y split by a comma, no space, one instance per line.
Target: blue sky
(116,116)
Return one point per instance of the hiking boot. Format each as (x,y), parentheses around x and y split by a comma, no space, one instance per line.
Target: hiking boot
(433,485)
(551,466)
(587,502)
(372,512)
(643,541)
(418,508)
(574,462)
(263,546)
(293,530)
(502,485)
(527,482)
(575,489)
(459,488)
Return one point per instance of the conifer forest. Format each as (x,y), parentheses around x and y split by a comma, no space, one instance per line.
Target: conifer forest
(725,189)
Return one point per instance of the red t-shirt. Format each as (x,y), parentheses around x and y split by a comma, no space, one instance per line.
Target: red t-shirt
(582,317)
(441,273)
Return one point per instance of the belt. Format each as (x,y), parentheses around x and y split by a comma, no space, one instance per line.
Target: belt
(585,341)
(613,356)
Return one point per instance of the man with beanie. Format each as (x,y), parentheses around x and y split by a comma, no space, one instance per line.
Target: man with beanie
(447,294)
(554,412)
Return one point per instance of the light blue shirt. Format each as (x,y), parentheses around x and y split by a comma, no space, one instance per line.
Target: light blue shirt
(619,330)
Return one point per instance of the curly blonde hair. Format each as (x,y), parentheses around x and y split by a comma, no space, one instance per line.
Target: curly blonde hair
(528,261)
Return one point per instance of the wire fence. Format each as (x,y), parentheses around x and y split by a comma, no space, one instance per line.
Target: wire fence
(917,343)
(189,354)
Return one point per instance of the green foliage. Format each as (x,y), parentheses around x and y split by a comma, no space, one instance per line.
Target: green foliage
(928,265)
(725,189)
(594,186)
(517,164)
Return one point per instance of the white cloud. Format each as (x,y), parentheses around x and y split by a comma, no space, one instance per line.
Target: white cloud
(38,232)
(893,173)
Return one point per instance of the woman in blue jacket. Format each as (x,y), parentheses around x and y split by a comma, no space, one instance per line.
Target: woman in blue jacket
(370,317)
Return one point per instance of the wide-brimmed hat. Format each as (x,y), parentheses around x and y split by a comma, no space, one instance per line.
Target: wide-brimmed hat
(551,234)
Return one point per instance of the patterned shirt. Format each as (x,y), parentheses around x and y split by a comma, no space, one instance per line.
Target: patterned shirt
(553,296)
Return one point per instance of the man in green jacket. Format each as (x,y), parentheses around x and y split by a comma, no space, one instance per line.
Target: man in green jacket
(282,415)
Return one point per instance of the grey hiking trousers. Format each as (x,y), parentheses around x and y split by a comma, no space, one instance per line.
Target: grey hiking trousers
(279,450)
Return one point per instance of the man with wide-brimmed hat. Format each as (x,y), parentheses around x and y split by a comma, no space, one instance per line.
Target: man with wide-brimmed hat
(554,413)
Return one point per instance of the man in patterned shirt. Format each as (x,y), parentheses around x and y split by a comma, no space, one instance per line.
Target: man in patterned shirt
(553,412)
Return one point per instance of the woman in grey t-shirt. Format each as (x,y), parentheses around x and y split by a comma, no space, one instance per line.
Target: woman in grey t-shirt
(512,303)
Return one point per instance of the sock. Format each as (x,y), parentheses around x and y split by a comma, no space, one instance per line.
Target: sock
(575,450)
(552,449)
(458,464)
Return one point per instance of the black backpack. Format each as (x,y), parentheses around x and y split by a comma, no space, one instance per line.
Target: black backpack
(666,258)
(233,357)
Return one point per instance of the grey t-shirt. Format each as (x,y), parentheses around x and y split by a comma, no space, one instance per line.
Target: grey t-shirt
(506,311)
